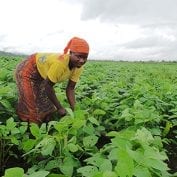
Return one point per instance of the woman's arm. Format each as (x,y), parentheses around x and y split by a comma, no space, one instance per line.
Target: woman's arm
(70,93)
(52,96)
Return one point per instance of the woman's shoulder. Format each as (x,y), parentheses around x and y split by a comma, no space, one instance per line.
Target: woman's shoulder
(42,54)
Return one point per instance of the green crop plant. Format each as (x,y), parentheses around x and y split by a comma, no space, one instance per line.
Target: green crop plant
(10,138)
(125,118)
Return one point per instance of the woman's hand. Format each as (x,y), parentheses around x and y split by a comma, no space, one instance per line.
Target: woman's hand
(52,96)
(62,112)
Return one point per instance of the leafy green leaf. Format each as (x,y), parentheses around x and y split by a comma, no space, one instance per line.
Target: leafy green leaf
(48,145)
(99,112)
(28,144)
(106,165)
(95,160)
(90,141)
(70,112)
(53,164)
(144,136)
(72,147)
(88,171)
(19,172)
(78,123)
(156,164)
(89,129)
(140,171)
(125,165)
(93,120)
(109,174)
(10,124)
(34,128)
(67,166)
(41,173)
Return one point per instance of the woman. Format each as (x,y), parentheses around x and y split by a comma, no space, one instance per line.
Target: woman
(36,76)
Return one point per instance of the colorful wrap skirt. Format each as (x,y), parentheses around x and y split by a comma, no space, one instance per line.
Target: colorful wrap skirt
(33,103)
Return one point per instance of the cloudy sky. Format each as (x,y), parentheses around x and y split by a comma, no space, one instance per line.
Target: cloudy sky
(115,29)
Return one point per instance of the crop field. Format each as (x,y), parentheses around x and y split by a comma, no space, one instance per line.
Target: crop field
(124,125)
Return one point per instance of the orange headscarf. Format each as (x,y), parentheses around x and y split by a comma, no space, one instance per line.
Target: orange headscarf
(77,45)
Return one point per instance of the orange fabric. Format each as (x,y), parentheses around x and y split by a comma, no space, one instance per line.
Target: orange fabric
(33,104)
(29,95)
(77,45)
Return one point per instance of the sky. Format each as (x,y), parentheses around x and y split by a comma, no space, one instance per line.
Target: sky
(130,30)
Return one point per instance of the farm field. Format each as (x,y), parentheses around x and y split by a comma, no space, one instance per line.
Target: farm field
(124,125)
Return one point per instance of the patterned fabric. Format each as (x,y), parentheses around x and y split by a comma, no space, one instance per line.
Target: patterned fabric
(33,104)
(77,45)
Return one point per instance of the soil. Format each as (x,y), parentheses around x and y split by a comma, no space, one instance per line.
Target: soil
(12,161)
(172,150)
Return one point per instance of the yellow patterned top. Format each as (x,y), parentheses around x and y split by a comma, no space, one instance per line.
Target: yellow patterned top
(55,67)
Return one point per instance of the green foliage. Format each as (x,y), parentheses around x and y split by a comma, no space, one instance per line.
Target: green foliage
(19,172)
(10,136)
(133,105)
(131,153)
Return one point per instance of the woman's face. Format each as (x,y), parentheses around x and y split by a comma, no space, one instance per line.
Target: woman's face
(78,59)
